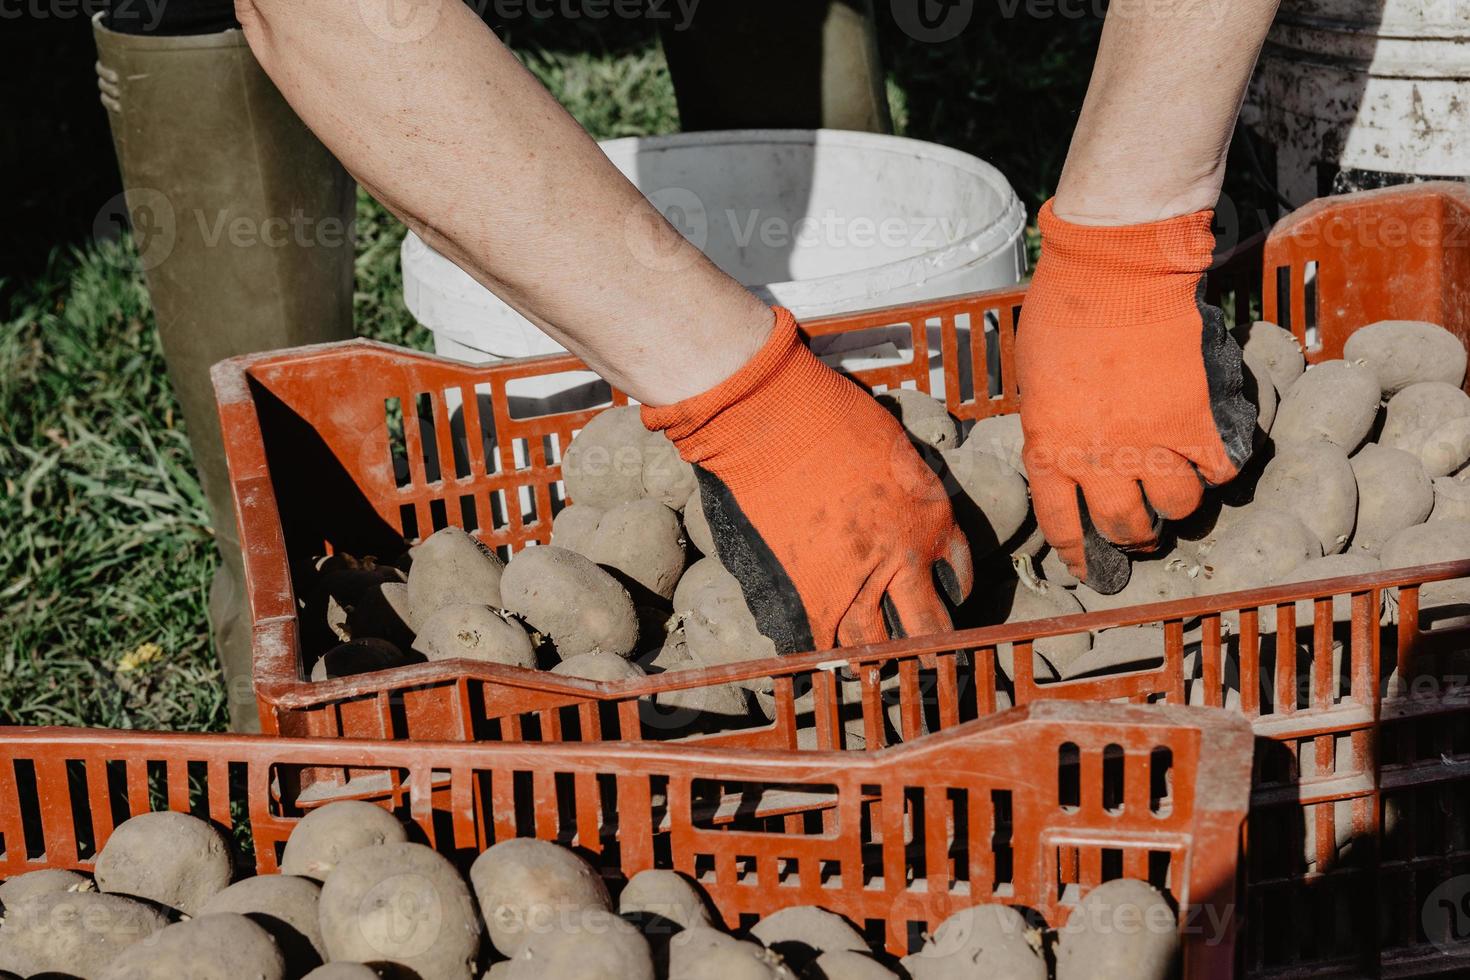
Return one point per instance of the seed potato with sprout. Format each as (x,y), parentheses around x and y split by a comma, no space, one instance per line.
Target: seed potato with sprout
(1405,352)
(1275,349)
(475,632)
(1313,481)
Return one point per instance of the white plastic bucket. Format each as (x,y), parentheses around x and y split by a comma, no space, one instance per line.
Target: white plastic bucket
(821,221)
(1374,85)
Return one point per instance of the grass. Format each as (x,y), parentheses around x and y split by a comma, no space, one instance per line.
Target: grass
(106,553)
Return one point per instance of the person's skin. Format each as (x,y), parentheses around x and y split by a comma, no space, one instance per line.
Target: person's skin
(440,122)
(1160,110)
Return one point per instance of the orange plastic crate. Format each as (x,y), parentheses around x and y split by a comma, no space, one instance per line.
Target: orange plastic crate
(1030,808)
(310,453)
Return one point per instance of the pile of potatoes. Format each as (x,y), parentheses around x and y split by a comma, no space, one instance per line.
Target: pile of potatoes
(1365,465)
(358,899)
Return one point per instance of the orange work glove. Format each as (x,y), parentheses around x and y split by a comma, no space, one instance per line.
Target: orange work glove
(1130,387)
(819,506)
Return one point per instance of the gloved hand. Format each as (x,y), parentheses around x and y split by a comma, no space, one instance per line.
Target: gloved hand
(1130,387)
(819,506)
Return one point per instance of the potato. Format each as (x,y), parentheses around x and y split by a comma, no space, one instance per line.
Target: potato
(603,466)
(1446,449)
(850,965)
(1000,436)
(1259,546)
(1056,572)
(1117,650)
(72,934)
(452,567)
(1405,352)
(1019,603)
(702,953)
(382,612)
(1121,930)
(401,903)
(1161,579)
(696,525)
(1329,566)
(705,707)
(1260,389)
(1451,503)
(667,895)
(1424,544)
(703,573)
(222,946)
(990,499)
(567,598)
(329,833)
(667,478)
(361,657)
(598,666)
(598,946)
(46,881)
(574,526)
(1335,400)
(170,858)
(1275,349)
(526,886)
(475,632)
(1315,482)
(800,933)
(980,941)
(343,970)
(721,630)
(640,542)
(1415,414)
(285,906)
(922,416)
(1393,493)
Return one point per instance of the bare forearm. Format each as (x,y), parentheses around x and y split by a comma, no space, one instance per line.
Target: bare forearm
(1161,107)
(453,135)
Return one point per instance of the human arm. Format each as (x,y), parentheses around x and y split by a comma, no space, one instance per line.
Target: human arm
(1131,390)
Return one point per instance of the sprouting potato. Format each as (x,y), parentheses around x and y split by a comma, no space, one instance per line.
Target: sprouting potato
(286,906)
(1451,502)
(45,881)
(991,501)
(526,886)
(1314,481)
(1275,349)
(696,525)
(361,657)
(1051,655)
(574,526)
(451,567)
(565,597)
(331,832)
(1258,547)
(221,946)
(1000,436)
(922,416)
(1405,352)
(1121,930)
(603,466)
(400,903)
(1418,411)
(642,543)
(1393,493)
(664,895)
(1335,400)
(174,859)
(475,632)
(598,666)
(72,933)
(980,941)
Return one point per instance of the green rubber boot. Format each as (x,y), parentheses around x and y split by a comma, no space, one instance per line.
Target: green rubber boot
(774,64)
(243,222)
